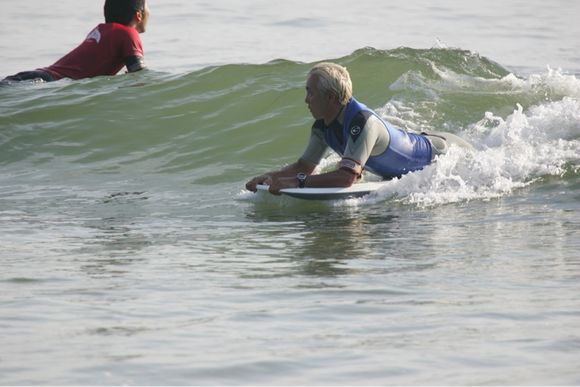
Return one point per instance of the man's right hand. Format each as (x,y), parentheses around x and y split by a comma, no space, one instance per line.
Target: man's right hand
(262,179)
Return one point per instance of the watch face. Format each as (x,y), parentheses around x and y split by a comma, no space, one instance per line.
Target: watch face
(301,179)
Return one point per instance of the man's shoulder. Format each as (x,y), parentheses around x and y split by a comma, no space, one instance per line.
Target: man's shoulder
(117,29)
(361,118)
(123,37)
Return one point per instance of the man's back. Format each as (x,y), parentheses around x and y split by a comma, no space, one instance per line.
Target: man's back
(105,51)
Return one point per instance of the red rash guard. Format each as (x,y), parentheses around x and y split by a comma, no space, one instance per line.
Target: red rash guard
(104,52)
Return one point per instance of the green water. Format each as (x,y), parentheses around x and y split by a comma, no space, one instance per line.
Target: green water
(233,114)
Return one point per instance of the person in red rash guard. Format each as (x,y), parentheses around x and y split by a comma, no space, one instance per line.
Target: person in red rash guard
(108,48)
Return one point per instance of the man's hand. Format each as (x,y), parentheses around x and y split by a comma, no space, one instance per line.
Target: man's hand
(282,182)
(283,178)
(262,179)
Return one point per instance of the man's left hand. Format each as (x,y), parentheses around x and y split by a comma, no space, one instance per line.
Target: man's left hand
(282,182)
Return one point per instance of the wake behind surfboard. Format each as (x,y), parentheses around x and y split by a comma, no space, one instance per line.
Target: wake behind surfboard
(354,191)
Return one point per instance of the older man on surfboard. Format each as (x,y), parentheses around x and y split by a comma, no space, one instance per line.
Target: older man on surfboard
(358,134)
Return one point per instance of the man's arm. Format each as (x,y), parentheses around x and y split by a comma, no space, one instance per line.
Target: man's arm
(288,172)
(342,177)
(360,145)
(135,63)
(346,175)
(315,149)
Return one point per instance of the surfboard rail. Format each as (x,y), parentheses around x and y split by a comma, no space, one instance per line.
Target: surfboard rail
(329,193)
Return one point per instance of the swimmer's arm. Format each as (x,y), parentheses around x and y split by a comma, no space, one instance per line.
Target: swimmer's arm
(347,174)
(338,178)
(286,173)
(135,63)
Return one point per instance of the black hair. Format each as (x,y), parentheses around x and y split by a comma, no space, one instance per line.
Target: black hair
(122,11)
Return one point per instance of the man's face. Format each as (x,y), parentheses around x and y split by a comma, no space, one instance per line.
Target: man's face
(318,103)
(144,18)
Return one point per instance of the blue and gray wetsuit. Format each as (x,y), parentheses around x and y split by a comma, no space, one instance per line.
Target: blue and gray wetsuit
(360,135)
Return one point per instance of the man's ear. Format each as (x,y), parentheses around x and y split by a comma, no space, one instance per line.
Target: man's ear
(139,16)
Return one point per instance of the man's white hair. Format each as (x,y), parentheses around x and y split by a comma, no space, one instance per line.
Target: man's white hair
(333,79)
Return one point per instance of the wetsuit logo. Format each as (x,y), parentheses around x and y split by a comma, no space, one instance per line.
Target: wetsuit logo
(355,132)
(94,35)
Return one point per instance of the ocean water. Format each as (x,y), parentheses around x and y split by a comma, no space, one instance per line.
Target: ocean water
(131,254)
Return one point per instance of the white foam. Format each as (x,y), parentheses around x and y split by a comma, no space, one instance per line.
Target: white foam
(511,153)
(554,83)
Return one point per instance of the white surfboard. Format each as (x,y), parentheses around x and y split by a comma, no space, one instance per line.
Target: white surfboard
(354,191)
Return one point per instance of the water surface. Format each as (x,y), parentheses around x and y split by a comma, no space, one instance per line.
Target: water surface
(130,253)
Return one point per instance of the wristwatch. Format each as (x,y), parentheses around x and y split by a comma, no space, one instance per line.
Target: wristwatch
(301,179)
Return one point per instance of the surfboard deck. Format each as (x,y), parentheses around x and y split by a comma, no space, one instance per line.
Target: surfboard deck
(354,191)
